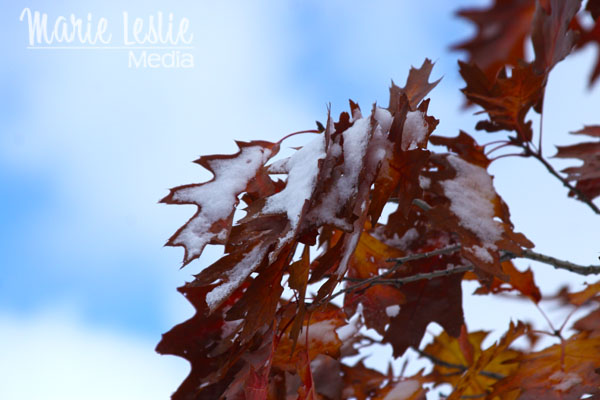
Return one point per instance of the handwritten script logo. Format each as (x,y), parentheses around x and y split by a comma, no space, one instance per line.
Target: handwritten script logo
(157,41)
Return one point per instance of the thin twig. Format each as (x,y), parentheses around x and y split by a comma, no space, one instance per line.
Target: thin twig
(383,280)
(461,368)
(398,262)
(419,256)
(580,196)
(426,275)
(560,264)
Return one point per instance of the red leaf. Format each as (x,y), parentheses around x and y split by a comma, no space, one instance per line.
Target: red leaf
(586,176)
(506,100)
(416,88)
(212,222)
(551,37)
(501,32)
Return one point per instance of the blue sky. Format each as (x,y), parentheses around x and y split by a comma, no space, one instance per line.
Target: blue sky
(88,146)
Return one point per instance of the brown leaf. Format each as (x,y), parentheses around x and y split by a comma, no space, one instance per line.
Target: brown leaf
(506,100)
(502,29)
(416,88)
(492,360)
(564,371)
(212,222)
(521,281)
(436,300)
(551,37)
(467,205)
(586,176)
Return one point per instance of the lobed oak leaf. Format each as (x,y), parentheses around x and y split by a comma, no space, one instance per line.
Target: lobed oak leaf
(416,88)
(361,382)
(565,371)
(216,199)
(436,300)
(506,100)
(522,282)
(472,372)
(551,37)
(591,292)
(467,204)
(367,260)
(502,29)
(586,176)
(203,341)
(464,146)
(492,364)
(319,337)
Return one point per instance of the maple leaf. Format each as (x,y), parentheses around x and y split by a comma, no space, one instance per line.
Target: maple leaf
(506,100)
(586,176)
(502,29)
(564,371)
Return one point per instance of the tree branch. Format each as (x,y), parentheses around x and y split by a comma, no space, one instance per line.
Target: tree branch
(382,279)
(559,264)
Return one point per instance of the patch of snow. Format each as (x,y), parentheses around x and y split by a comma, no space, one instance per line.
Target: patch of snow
(356,140)
(403,390)
(217,198)
(383,118)
(565,381)
(400,243)
(322,331)
(415,130)
(280,166)
(345,332)
(302,176)
(235,277)
(483,254)
(424,182)
(229,327)
(392,311)
(471,194)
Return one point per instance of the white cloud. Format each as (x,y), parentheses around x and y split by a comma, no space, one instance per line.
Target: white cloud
(53,355)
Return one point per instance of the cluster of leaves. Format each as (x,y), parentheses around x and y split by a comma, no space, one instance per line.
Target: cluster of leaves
(265,325)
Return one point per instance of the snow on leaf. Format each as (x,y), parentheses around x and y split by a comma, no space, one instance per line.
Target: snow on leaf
(235,276)
(468,205)
(302,169)
(217,198)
